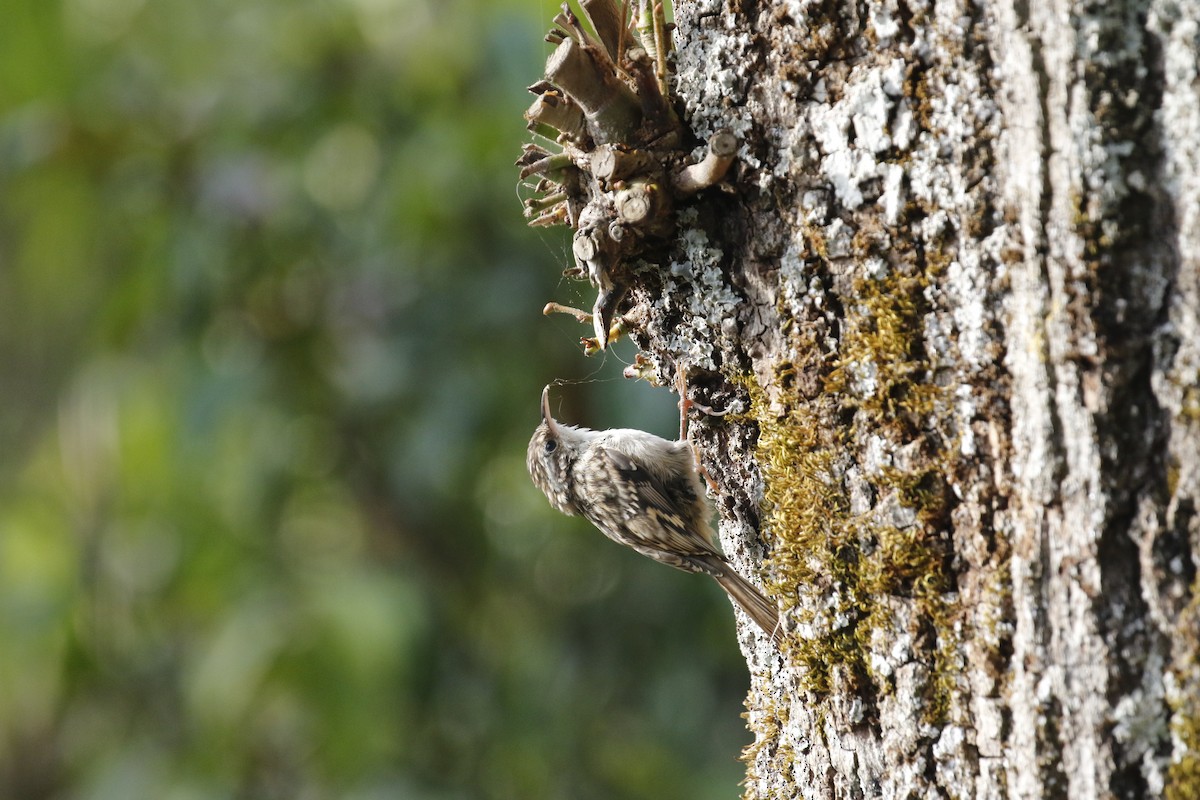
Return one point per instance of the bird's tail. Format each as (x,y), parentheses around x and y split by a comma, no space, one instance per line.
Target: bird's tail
(751,600)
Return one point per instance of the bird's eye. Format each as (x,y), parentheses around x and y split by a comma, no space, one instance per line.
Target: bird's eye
(550,446)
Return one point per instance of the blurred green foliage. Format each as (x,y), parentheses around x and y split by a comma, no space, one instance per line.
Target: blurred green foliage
(271,352)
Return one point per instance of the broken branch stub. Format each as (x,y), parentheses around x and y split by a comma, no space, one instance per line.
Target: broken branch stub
(722,147)
(559,113)
(613,163)
(609,22)
(638,203)
(612,110)
(623,167)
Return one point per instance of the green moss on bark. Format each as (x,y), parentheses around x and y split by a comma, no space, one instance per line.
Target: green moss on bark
(831,565)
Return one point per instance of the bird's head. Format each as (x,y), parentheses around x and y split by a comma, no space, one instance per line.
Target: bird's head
(551,456)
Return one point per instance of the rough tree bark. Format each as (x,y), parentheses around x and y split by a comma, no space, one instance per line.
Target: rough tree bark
(953,303)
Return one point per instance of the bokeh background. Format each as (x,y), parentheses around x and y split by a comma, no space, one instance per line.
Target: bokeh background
(270,352)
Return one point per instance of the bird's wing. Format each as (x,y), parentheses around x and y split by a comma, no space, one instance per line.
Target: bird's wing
(644,516)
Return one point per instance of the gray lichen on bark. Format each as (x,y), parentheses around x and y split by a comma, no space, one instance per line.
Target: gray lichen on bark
(955,298)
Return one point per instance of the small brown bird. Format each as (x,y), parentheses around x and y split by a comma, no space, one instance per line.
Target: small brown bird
(642,491)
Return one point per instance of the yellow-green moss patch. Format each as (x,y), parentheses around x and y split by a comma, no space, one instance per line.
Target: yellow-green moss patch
(830,566)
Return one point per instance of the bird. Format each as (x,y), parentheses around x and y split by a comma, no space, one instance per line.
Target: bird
(642,491)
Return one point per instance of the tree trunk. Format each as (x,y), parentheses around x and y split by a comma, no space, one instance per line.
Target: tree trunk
(952,308)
